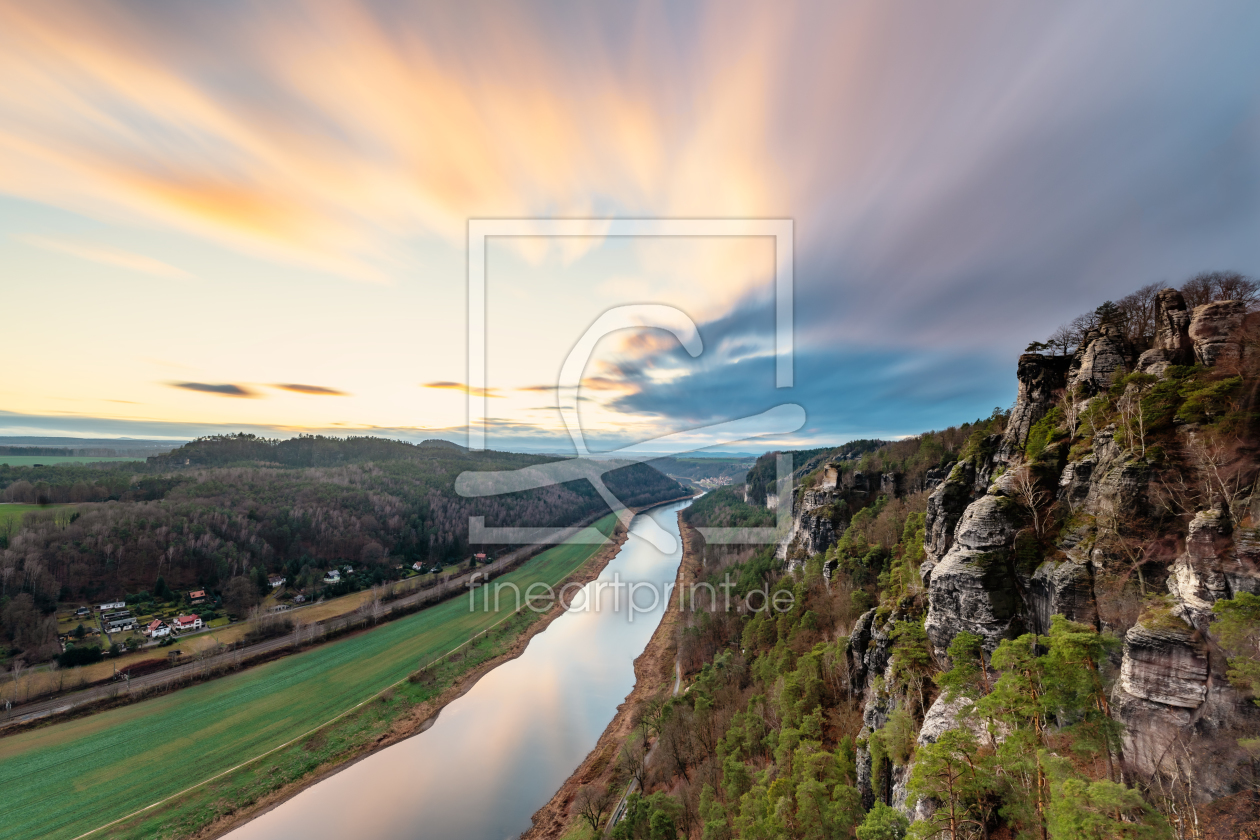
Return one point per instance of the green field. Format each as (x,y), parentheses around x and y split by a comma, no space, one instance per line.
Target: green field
(50,460)
(11,514)
(72,777)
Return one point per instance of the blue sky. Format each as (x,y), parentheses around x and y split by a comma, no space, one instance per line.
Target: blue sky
(266,195)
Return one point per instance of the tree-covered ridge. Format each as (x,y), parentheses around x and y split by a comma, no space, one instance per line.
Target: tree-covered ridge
(203,526)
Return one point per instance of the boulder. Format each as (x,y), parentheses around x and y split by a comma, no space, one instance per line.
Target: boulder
(1215,329)
(1155,362)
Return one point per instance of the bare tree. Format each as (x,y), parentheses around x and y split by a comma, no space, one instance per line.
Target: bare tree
(1029,493)
(19,665)
(1064,340)
(1071,412)
(1137,313)
(593,803)
(1211,286)
(633,759)
(1133,413)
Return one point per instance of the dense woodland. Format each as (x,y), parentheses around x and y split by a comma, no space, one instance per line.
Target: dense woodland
(788,730)
(239,506)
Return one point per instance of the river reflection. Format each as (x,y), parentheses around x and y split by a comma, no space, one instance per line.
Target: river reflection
(498,753)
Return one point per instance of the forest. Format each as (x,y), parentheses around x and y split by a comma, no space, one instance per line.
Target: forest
(239,506)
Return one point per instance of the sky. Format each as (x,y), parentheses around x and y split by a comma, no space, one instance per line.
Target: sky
(247,216)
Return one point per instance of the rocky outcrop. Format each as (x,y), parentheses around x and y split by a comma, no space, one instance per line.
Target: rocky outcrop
(1215,330)
(974,587)
(933,478)
(813,528)
(1100,361)
(1166,663)
(1197,580)
(1181,718)
(945,507)
(1172,327)
(1063,588)
(1039,378)
(1105,481)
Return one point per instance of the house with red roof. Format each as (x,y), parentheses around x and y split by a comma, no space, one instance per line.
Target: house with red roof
(157,629)
(184,623)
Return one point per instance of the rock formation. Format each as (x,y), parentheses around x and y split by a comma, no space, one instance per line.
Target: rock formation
(1215,330)
(1040,377)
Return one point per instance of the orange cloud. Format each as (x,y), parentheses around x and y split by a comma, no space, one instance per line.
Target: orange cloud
(462,388)
(356,133)
(315,390)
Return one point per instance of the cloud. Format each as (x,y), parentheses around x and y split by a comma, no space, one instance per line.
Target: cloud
(317,390)
(223,390)
(106,256)
(462,388)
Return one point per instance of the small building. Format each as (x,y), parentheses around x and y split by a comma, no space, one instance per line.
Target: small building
(299,599)
(480,558)
(81,612)
(276,581)
(279,608)
(157,629)
(119,625)
(112,605)
(184,623)
(333,576)
(198,596)
(418,566)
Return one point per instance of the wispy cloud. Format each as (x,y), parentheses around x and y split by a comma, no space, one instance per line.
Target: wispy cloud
(222,390)
(105,256)
(315,390)
(462,388)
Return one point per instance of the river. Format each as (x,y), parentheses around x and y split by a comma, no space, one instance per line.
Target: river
(497,754)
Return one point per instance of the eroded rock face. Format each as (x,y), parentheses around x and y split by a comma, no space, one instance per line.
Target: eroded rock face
(1167,664)
(813,530)
(1063,588)
(1214,329)
(1197,580)
(1039,377)
(973,588)
(1172,327)
(944,508)
(1101,363)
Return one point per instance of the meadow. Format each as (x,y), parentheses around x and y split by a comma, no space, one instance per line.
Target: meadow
(11,515)
(69,778)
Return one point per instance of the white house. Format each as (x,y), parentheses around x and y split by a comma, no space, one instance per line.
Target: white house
(276,581)
(418,566)
(157,629)
(333,576)
(112,605)
(185,623)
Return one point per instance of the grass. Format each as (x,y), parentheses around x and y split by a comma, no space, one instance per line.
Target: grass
(50,460)
(11,514)
(72,777)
